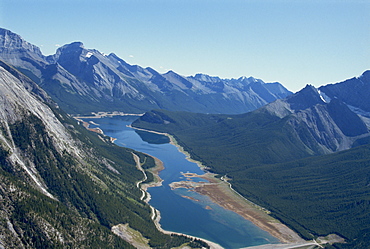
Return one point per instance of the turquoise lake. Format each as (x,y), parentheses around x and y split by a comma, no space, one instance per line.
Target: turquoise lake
(179,214)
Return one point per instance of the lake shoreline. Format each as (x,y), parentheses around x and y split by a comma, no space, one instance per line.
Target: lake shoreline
(156,215)
(106,114)
(224,189)
(222,193)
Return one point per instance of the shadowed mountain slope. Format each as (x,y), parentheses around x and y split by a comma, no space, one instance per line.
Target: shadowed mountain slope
(354,92)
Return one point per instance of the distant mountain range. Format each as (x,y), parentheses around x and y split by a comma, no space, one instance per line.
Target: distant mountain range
(325,120)
(84,80)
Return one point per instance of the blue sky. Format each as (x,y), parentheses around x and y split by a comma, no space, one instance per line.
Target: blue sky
(294,42)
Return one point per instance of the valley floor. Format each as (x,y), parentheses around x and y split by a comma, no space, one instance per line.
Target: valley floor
(221,193)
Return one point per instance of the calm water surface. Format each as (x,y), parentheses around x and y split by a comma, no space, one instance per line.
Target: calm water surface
(180,214)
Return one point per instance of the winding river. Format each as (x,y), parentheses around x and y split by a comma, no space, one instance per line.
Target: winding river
(195,214)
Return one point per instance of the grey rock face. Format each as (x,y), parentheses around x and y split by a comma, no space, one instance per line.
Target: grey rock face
(20,98)
(323,125)
(20,53)
(10,41)
(44,158)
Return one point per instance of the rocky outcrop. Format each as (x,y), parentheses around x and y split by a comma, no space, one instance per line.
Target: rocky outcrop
(324,125)
(20,53)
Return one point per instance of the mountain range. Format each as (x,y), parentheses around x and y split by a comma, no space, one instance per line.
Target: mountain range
(321,121)
(84,80)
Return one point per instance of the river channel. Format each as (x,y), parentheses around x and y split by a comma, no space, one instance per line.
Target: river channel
(196,215)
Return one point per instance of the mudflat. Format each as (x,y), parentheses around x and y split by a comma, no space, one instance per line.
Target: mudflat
(220,192)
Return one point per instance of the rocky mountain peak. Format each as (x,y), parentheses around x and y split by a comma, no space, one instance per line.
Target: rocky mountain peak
(10,41)
(74,48)
(171,75)
(70,56)
(249,80)
(20,53)
(170,72)
(305,98)
(365,76)
(205,78)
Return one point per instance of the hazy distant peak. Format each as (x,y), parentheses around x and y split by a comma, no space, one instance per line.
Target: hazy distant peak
(114,56)
(149,69)
(249,80)
(170,72)
(365,75)
(309,90)
(74,46)
(305,98)
(205,77)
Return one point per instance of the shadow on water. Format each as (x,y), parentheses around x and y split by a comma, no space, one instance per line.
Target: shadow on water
(153,138)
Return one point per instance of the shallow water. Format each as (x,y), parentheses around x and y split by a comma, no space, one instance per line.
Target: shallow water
(200,218)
